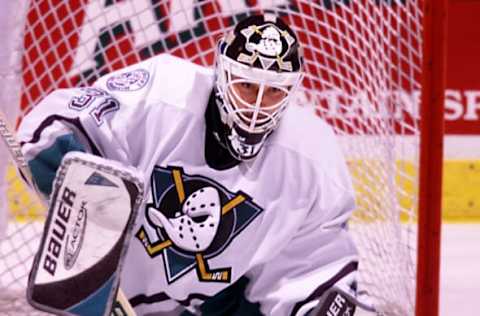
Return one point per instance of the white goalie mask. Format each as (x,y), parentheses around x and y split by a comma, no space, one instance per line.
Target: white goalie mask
(258,73)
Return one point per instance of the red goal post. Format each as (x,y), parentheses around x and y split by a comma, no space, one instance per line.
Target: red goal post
(374,71)
(431,157)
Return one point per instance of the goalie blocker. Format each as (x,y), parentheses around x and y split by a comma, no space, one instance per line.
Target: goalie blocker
(92,211)
(339,302)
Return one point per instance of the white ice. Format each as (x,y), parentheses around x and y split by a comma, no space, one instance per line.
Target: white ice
(460,270)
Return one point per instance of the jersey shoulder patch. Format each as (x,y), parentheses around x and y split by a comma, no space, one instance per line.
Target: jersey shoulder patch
(163,79)
(128,81)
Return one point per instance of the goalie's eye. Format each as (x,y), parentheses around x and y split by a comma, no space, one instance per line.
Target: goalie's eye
(273,95)
(247,90)
(275,92)
(248,86)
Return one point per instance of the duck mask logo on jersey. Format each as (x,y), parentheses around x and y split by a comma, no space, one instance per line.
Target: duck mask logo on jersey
(194,226)
(194,219)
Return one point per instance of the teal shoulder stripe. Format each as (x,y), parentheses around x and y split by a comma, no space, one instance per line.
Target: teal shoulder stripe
(45,164)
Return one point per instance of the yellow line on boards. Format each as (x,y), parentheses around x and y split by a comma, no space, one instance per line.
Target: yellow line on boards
(460,196)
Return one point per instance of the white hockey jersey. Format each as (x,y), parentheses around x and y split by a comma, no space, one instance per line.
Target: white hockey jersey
(273,229)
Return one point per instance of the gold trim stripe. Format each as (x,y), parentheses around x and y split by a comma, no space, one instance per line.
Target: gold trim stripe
(177,178)
(157,248)
(202,268)
(151,250)
(232,203)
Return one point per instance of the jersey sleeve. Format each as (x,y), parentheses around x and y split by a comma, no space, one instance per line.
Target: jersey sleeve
(79,119)
(106,119)
(320,255)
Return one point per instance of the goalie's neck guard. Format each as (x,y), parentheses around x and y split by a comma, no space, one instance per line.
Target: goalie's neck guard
(258,71)
(217,154)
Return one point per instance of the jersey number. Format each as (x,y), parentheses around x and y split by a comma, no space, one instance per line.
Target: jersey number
(107,106)
(83,101)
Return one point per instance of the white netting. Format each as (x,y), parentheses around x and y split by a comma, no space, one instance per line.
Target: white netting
(362,76)
(19,229)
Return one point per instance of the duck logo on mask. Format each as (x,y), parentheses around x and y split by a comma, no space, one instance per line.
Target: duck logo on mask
(194,219)
(269,44)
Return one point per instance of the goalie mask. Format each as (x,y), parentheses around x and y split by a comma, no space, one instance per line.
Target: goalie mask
(258,72)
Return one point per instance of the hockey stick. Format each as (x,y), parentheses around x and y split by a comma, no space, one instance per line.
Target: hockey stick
(15,150)
(121,306)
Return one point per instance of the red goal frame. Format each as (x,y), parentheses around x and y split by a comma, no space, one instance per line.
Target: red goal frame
(431,157)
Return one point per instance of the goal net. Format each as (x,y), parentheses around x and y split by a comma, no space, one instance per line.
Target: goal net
(363,71)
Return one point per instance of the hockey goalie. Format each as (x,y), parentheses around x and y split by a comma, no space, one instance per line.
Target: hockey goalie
(247,195)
